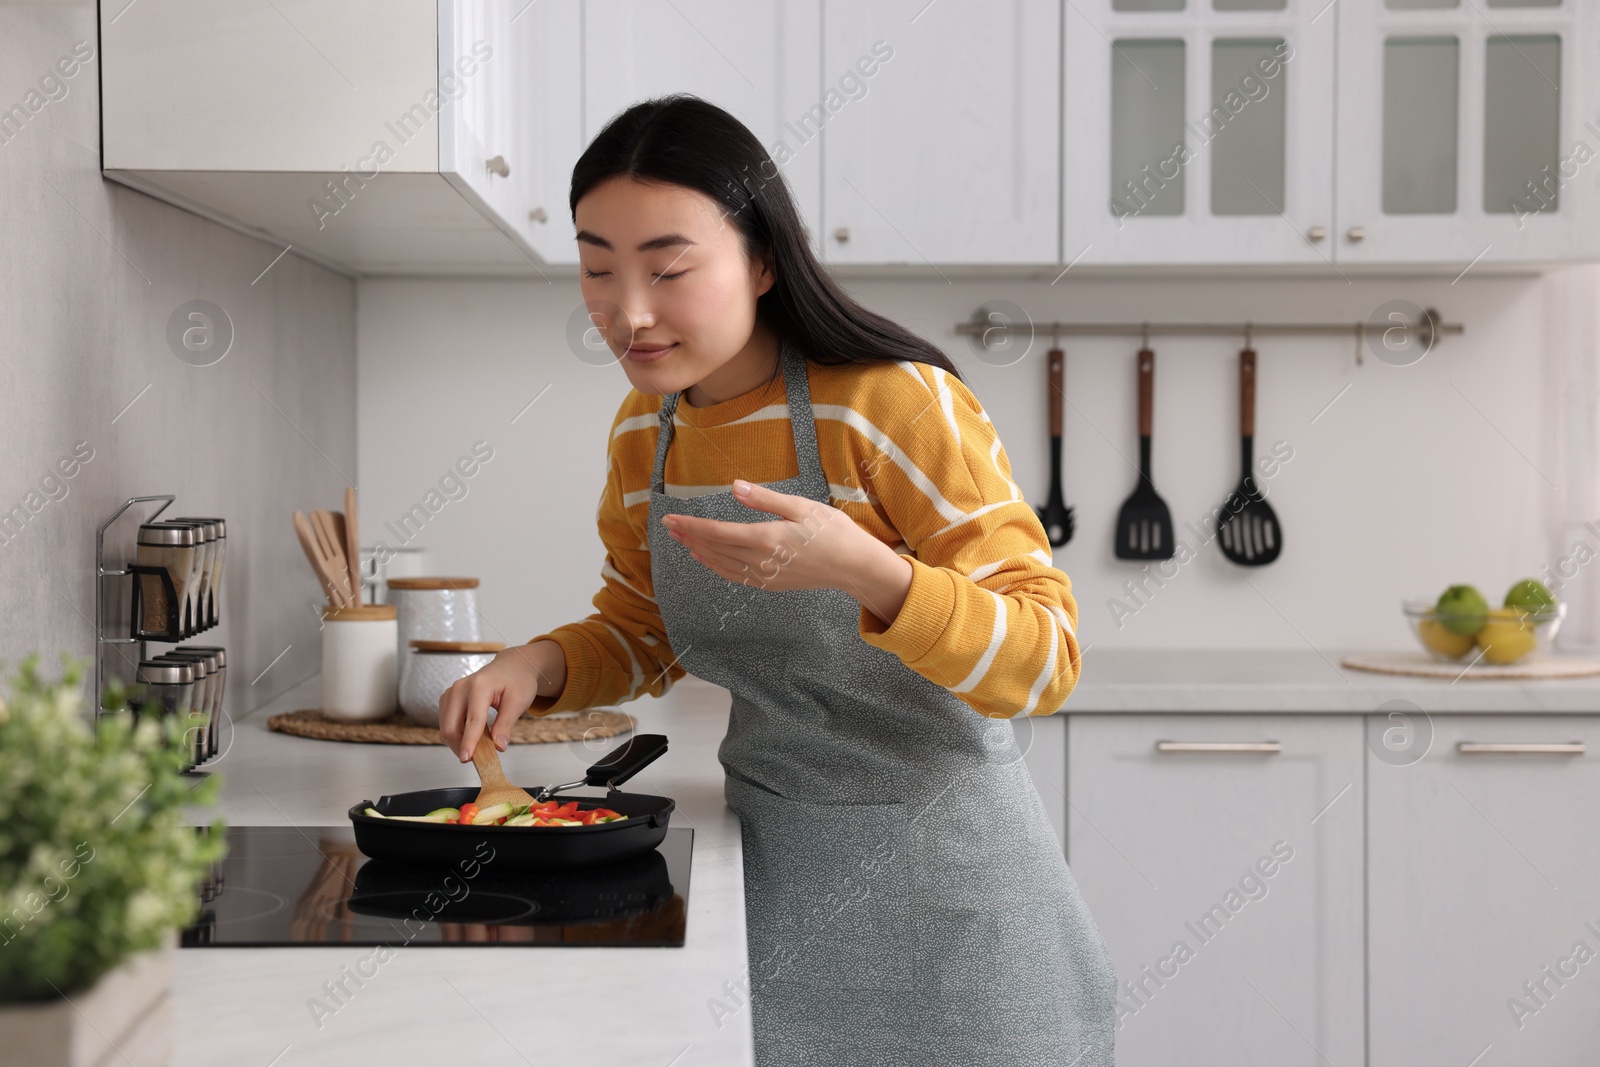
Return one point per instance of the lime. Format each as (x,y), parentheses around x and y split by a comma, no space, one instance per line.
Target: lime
(1530,595)
(1462,610)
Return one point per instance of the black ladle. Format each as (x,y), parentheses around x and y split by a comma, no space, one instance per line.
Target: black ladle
(1056,515)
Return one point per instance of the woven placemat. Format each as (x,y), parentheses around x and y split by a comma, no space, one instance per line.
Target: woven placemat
(1420,666)
(399,730)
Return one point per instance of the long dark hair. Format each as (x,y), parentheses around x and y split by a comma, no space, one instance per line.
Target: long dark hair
(683,140)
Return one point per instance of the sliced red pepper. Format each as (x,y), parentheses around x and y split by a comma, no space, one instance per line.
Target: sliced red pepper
(469,811)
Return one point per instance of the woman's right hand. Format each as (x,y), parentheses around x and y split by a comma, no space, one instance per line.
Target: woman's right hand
(509,683)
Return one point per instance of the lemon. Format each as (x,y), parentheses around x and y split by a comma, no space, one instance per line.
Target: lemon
(1507,636)
(1442,641)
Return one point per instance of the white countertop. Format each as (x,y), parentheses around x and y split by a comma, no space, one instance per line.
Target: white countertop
(1124,680)
(611,1006)
(247,1006)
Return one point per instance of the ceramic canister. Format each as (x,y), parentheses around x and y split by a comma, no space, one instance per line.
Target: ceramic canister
(433,609)
(431,667)
(358,682)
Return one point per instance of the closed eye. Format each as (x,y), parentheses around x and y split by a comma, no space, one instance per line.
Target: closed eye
(587,273)
(669,277)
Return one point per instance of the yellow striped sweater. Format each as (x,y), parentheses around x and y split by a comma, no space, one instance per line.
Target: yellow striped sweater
(910,456)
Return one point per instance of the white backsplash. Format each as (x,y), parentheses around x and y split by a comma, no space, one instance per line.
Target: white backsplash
(1396,481)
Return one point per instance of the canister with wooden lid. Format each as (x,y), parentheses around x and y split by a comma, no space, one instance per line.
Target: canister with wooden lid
(434,609)
(358,662)
(431,667)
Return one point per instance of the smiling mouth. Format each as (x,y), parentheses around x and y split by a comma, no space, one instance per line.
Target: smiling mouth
(648,353)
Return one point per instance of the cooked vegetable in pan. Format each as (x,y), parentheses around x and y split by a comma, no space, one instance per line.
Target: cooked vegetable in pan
(549,813)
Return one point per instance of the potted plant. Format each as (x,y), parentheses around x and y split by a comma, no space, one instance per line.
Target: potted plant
(98,869)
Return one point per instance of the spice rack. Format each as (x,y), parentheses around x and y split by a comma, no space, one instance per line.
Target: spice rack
(101,573)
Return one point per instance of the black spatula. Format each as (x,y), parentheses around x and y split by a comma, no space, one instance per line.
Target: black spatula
(1056,515)
(1248,529)
(1144,526)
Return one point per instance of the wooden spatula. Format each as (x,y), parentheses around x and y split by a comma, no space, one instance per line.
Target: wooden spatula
(497,789)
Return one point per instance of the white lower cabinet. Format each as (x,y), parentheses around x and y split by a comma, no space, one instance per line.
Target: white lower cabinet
(1221,856)
(1484,895)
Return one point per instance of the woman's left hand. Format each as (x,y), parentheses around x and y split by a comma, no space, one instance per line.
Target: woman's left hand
(809,546)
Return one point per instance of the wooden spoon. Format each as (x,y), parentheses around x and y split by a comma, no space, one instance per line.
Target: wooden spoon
(352,538)
(333,553)
(309,544)
(497,789)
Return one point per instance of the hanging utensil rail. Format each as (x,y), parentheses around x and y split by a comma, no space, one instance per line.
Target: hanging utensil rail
(1428,329)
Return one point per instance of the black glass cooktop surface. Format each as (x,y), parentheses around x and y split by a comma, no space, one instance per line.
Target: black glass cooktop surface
(285,886)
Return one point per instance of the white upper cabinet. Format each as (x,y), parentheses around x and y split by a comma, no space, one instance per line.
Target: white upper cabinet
(1465,131)
(941,131)
(377,136)
(509,145)
(757,61)
(1198,131)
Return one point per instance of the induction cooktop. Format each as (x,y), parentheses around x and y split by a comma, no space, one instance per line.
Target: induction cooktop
(286,886)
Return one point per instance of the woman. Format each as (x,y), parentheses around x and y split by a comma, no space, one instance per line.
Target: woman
(806,506)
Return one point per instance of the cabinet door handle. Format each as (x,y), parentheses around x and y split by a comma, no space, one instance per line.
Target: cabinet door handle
(539,214)
(1270,748)
(842,234)
(1557,748)
(1357,233)
(498,165)
(1316,233)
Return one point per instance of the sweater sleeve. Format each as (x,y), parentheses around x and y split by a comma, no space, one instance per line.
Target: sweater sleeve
(987,615)
(620,651)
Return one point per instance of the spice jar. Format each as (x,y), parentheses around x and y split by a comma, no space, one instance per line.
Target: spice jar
(204,546)
(358,675)
(434,609)
(431,667)
(219,681)
(211,583)
(194,733)
(168,552)
(168,684)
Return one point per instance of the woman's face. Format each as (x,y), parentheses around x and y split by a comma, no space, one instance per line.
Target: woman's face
(666,280)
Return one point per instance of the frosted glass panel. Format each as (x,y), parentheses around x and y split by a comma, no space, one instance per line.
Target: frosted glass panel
(1418,5)
(1244,128)
(1521,122)
(1147,109)
(1251,5)
(1147,5)
(1420,109)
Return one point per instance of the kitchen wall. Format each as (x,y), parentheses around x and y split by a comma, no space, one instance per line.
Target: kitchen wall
(93,274)
(1402,479)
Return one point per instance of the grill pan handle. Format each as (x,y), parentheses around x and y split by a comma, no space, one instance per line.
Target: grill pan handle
(620,764)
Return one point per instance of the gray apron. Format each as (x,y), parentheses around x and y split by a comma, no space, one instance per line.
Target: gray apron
(907,902)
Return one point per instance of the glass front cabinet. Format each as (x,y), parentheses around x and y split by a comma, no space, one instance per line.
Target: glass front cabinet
(1310,131)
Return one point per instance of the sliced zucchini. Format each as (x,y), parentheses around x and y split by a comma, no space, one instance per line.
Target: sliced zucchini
(525,819)
(493,813)
(445,814)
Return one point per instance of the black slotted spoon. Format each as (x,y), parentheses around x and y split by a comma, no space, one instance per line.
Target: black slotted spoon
(1056,515)
(1248,530)
(1144,526)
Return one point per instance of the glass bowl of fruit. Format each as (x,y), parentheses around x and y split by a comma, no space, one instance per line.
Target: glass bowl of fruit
(1460,624)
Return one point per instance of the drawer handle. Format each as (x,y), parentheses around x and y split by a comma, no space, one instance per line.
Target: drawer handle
(1270,748)
(1557,748)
